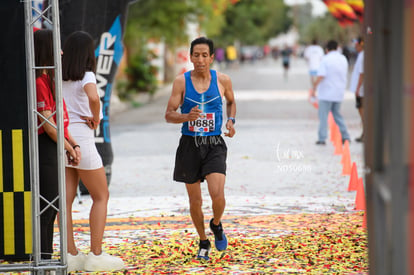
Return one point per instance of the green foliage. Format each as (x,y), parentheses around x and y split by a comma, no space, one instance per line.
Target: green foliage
(247,21)
(157,19)
(210,15)
(167,20)
(141,77)
(326,28)
(254,22)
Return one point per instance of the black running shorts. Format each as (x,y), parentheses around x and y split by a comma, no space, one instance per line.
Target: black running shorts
(197,157)
(358,102)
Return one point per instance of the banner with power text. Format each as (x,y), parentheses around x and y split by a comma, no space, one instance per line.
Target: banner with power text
(104,20)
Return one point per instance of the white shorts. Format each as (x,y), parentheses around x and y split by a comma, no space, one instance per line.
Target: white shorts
(84,136)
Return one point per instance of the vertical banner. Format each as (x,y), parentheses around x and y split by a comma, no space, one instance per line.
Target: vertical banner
(15,195)
(104,20)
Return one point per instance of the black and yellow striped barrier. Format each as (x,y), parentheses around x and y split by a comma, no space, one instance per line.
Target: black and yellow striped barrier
(15,198)
(16,236)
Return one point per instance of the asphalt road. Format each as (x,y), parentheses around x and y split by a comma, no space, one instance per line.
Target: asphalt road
(274,165)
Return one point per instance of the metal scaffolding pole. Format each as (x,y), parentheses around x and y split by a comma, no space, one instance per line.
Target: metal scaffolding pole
(36,264)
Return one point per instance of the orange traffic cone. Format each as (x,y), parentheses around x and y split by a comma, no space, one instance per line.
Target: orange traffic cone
(353,179)
(331,120)
(338,142)
(364,222)
(360,196)
(346,159)
(334,132)
(332,125)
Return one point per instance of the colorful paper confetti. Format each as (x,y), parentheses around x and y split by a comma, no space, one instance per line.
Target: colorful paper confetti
(274,244)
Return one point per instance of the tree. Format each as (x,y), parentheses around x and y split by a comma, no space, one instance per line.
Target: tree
(211,15)
(163,20)
(326,28)
(156,19)
(254,22)
(167,20)
(249,21)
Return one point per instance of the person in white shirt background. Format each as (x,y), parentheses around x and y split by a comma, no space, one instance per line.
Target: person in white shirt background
(330,85)
(313,55)
(84,107)
(357,81)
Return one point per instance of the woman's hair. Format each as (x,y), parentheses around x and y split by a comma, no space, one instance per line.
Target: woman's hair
(43,51)
(78,56)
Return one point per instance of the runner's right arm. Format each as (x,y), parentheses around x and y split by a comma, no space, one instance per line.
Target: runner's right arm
(176,98)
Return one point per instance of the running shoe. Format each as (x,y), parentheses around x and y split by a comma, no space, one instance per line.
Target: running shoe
(103,262)
(220,239)
(360,139)
(76,262)
(204,249)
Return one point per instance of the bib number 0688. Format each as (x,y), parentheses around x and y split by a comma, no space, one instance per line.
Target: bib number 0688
(205,123)
(201,123)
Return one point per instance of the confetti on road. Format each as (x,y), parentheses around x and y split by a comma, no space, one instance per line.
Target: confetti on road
(274,244)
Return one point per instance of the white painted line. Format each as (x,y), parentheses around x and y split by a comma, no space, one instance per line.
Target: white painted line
(245,95)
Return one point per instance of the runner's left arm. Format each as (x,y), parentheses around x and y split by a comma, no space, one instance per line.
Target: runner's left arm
(230,104)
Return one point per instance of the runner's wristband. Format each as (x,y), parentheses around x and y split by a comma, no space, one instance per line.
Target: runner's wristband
(232,119)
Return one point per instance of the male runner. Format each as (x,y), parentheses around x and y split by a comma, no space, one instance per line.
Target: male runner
(202,152)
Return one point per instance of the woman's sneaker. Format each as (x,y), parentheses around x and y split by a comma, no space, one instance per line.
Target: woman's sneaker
(103,262)
(204,249)
(76,262)
(220,240)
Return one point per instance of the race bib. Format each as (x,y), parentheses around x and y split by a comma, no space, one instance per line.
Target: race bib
(205,123)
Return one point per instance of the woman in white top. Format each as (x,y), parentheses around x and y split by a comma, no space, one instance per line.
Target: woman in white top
(84,108)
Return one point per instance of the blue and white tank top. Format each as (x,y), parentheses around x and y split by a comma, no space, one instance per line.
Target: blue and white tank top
(210,103)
